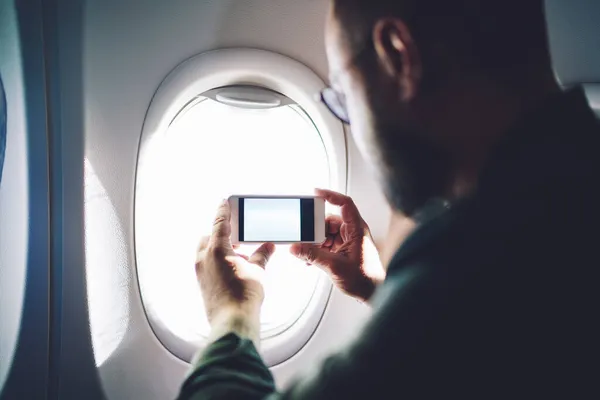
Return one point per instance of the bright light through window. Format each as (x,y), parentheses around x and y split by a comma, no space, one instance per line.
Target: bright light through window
(211,151)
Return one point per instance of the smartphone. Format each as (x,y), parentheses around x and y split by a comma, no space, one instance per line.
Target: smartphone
(277,219)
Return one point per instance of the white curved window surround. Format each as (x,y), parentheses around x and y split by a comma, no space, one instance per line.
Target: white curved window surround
(214,130)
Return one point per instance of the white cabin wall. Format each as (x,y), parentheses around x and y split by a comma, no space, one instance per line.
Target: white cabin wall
(13,192)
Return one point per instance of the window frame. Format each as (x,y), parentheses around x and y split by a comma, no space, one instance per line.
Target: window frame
(229,67)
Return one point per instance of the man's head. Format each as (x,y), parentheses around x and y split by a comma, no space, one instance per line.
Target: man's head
(406,66)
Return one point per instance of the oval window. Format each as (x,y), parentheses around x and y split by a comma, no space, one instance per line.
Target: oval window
(232,140)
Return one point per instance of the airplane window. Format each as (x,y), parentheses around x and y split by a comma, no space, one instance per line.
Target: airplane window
(218,145)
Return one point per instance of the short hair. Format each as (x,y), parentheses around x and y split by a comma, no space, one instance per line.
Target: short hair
(492,34)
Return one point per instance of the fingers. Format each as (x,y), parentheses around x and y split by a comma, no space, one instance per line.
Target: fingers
(337,243)
(222,226)
(350,213)
(333,224)
(333,243)
(315,255)
(262,256)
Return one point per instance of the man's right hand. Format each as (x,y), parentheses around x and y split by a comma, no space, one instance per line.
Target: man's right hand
(348,255)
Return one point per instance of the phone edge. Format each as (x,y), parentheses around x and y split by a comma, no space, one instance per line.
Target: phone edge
(234,202)
(320,225)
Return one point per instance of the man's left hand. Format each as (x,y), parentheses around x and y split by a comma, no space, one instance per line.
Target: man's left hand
(231,283)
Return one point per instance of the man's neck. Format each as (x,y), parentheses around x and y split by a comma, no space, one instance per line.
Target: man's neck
(480,114)
(399,229)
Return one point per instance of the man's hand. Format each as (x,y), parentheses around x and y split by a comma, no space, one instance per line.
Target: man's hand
(348,255)
(231,283)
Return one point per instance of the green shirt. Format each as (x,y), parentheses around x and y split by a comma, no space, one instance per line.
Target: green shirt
(232,360)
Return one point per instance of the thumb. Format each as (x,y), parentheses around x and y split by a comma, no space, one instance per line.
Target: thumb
(314,254)
(262,255)
(221,225)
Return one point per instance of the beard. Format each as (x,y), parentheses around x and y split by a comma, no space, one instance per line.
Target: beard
(411,171)
(411,168)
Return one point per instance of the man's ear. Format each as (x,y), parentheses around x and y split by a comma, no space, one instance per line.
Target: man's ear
(398,55)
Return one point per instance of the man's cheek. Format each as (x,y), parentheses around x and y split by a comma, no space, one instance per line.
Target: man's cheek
(364,137)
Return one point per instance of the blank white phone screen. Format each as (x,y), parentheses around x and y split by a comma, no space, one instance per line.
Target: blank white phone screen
(272,220)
